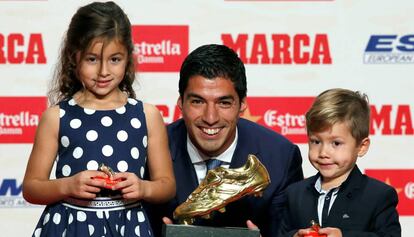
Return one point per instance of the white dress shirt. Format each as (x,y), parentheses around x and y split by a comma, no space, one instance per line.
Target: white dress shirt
(322,195)
(199,159)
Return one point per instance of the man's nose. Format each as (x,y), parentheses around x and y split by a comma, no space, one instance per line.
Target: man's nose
(210,114)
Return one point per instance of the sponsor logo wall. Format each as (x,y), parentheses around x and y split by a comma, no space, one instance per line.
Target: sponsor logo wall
(293,50)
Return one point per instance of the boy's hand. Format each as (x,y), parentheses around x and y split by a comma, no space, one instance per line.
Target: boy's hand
(331,232)
(303,232)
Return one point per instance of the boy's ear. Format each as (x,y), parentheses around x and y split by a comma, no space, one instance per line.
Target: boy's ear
(364,146)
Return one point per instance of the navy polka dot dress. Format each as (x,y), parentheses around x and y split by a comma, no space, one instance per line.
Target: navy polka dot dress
(87,138)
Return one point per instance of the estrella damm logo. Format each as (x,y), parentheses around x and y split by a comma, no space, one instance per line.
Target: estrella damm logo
(160,48)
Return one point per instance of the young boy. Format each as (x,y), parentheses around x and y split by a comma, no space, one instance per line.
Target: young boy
(340,198)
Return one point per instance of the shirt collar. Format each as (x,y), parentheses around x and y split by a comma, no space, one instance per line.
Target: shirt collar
(198,157)
(318,187)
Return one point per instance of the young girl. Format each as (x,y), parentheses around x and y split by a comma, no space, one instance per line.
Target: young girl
(96,120)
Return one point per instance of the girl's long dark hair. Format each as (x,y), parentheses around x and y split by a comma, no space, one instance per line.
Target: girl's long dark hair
(98,20)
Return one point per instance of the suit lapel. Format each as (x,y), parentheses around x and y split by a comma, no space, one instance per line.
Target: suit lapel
(346,195)
(310,202)
(185,174)
(244,146)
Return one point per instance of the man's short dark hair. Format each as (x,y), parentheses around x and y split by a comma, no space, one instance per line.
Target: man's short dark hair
(211,61)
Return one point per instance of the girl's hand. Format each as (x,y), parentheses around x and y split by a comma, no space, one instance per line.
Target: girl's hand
(130,185)
(83,184)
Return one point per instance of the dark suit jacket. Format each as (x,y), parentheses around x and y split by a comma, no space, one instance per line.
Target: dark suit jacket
(363,207)
(281,158)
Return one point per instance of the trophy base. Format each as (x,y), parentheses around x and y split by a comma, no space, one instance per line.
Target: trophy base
(173,230)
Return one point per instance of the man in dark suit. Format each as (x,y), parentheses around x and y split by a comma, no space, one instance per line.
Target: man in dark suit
(212,91)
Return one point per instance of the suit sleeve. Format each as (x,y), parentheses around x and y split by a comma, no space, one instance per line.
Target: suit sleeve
(286,229)
(385,222)
(294,173)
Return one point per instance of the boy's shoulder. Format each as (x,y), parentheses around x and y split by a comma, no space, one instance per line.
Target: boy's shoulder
(376,184)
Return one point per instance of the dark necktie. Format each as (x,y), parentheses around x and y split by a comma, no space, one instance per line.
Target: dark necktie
(325,209)
(213,163)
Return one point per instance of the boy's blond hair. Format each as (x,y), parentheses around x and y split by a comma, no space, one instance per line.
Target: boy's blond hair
(340,105)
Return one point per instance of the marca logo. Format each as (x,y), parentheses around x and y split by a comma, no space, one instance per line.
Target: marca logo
(19,117)
(381,118)
(11,194)
(160,48)
(403,182)
(16,48)
(280,48)
(389,49)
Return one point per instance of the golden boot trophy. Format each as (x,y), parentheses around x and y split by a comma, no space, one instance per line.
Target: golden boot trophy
(222,186)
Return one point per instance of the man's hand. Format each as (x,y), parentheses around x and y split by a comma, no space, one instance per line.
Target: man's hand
(252,226)
(167,220)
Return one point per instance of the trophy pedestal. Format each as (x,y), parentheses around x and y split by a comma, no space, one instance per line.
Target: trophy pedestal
(206,231)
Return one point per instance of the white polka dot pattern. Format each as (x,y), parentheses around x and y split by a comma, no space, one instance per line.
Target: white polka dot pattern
(106,121)
(92,165)
(81,216)
(70,219)
(78,152)
(132,101)
(46,219)
(66,170)
(107,150)
(91,230)
(122,136)
(72,102)
(121,110)
(144,141)
(141,217)
(135,153)
(61,113)
(135,123)
(137,231)
(129,215)
(56,218)
(91,135)
(88,138)
(142,172)
(89,111)
(122,230)
(99,214)
(65,141)
(122,166)
(75,123)
(37,232)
